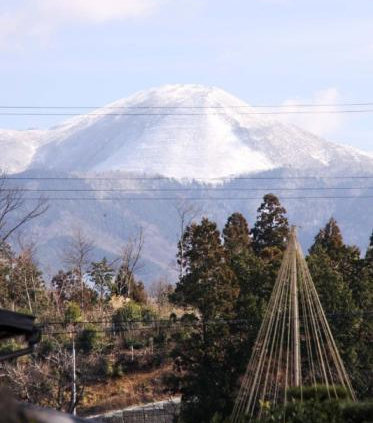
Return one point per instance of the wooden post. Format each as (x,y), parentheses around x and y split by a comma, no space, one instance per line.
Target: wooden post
(295,379)
(74,378)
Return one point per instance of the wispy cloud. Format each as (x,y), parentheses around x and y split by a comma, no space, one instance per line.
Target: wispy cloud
(95,11)
(38,19)
(325,125)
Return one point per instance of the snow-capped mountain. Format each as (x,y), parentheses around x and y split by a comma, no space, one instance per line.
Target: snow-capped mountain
(199,138)
(179,131)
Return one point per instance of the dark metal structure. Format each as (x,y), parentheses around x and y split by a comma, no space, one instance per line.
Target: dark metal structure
(14,325)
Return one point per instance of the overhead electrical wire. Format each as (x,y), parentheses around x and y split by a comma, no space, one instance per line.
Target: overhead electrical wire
(188,114)
(241,106)
(180,322)
(194,198)
(156,178)
(201,189)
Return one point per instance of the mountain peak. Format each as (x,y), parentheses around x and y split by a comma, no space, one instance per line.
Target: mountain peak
(184,131)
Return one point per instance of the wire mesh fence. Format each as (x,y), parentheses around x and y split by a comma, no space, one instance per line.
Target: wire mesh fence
(142,416)
(167,413)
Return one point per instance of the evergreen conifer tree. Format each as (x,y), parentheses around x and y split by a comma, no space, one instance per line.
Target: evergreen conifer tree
(271,228)
(345,258)
(236,235)
(365,351)
(202,354)
(249,271)
(207,284)
(337,271)
(369,253)
(330,240)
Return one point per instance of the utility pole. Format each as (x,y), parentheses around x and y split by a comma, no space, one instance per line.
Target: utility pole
(74,378)
(295,312)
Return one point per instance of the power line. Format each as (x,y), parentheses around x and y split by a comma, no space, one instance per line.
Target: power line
(273,106)
(154,178)
(188,114)
(131,326)
(179,321)
(193,198)
(182,189)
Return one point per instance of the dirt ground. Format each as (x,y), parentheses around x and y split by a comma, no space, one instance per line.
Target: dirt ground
(125,391)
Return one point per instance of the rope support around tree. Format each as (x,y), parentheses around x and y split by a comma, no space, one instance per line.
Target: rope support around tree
(294,347)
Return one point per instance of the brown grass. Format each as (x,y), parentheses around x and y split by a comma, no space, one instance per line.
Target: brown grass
(125,391)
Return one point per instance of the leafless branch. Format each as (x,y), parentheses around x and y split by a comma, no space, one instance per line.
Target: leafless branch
(13,210)
(130,260)
(187,212)
(77,257)
(77,254)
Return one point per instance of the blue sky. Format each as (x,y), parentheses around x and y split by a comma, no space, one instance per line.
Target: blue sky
(91,52)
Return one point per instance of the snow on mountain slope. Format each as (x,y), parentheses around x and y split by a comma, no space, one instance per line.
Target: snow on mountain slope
(212,136)
(180,131)
(18,148)
(187,131)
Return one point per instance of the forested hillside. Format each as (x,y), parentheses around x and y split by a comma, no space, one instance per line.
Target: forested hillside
(198,335)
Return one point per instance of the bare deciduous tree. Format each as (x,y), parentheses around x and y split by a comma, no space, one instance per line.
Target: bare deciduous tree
(160,291)
(187,212)
(77,256)
(130,263)
(47,379)
(15,211)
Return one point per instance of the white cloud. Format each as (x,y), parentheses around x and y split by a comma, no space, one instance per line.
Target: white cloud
(38,19)
(323,124)
(94,11)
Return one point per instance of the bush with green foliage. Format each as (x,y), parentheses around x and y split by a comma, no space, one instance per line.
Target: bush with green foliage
(148,314)
(73,312)
(317,404)
(89,340)
(130,312)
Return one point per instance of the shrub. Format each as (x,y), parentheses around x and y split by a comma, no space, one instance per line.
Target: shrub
(137,344)
(316,407)
(72,312)
(360,412)
(148,315)
(128,313)
(89,340)
(107,367)
(317,392)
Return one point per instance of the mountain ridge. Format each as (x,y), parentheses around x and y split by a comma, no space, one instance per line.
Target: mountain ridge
(186,158)
(179,131)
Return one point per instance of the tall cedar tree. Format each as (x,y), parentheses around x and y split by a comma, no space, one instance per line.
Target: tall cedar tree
(255,273)
(269,237)
(338,273)
(207,283)
(271,228)
(249,271)
(236,235)
(201,357)
(365,363)
(344,258)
